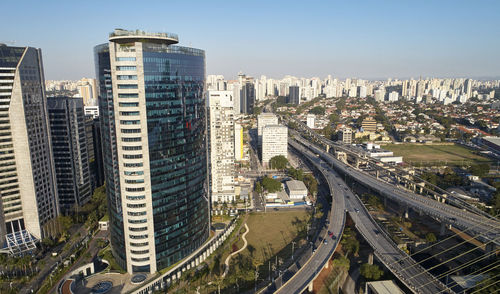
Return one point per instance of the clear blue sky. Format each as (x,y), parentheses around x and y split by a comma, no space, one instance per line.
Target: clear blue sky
(365,39)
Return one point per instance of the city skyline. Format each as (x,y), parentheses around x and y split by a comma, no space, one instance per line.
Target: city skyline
(364,40)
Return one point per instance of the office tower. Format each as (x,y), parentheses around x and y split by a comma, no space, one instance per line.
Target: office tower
(274,142)
(293,95)
(247,94)
(69,147)
(369,124)
(221,145)
(468,88)
(310,120)
(94,150)
(345,135)
(263,120)
(238,142)
(91,110)
(153,119)
(87,89)
(28,189)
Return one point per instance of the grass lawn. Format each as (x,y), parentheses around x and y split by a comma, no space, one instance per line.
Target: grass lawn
(420,154)
(271,232)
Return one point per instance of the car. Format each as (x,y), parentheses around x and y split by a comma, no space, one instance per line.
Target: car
(355,209)
(333,237)
(325,241)
(330,233)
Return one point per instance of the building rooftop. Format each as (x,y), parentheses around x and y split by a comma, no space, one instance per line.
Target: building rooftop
(125,36)
(384,287)
(494,140)
(294,185)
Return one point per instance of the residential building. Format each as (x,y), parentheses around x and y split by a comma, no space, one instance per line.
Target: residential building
(154,148)
(263,120)
(28,186)
(221,142)
(69,147)
(310,120)
(369,124)
(238,142)
(345,135)
(87,89)
(274,142)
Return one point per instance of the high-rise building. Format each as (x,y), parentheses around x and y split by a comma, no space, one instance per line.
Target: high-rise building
(221,145)
(293,95)
(247,95)
(362,91)
(468,88)
(28,185)
(152,110)
(263,120)
(87,89)
(238,142)
(94,149)
(274,142)
(69,147)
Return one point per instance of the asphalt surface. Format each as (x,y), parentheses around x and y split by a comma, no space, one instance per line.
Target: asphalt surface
(409,272)
(335,224)
(486,230)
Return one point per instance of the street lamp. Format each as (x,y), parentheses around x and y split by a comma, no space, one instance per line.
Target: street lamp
(293,247)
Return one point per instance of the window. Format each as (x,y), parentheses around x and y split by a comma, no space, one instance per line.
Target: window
(139,251)
(134,189)
(127,67)
(129,113)
(128,104)
(125,59)
(128,95)
(139,164)
(142,197)
(130,122)
(132,156)
(131,148)
(138,181)
(139,244)
(138,236)
(127,86)
(130,131)
(141,229)
(126,77)
(140,259)
(140,205)
(131,213)
(132,139)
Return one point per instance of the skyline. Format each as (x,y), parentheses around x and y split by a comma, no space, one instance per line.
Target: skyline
(363,40)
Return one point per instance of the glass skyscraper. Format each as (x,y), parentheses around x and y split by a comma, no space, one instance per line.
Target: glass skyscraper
(154,147)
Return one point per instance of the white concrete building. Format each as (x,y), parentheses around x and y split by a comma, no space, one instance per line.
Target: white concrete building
(296,190)
(263,120)
(221,133)
(274,142)
(311,120)
(238,142)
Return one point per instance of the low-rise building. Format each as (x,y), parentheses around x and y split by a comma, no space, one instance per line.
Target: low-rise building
(296,189)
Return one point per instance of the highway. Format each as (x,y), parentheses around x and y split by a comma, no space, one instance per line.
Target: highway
(302,277)
(487,229)
(397,261)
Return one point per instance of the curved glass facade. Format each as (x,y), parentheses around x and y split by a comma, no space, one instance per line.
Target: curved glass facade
(155,149)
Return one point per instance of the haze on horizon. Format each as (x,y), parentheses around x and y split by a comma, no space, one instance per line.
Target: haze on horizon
(365,39)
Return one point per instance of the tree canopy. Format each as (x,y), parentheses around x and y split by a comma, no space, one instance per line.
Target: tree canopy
(278,162)
(318,110)
(371,271)
(271,185)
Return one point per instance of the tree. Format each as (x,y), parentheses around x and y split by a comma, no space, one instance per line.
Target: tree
(480,170)
(278,162)
(349,242)
(258,188)
(370,271)
(318,110)
(430,237)
(311,184)
(297,174)
(271,185)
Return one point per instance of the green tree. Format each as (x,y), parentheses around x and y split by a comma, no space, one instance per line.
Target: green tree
(430,237)
(349,242)
(311,184)
(271,185)
(318,110)
(278,162)
(480,170)
(370,271)
(297,174)
(258,188)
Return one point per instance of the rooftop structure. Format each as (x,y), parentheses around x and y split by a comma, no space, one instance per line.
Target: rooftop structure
(126,36)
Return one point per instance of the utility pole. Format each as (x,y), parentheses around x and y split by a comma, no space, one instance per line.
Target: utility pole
(293,247)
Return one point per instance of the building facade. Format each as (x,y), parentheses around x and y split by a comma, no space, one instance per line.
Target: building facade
(154,147)
(238,142)
(274,142)
(293,95)
(263,120)
(310,120)
(221,139)
(71,156)
(28,186)
(345,135)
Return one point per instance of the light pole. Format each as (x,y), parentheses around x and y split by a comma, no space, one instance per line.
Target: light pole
(293,247)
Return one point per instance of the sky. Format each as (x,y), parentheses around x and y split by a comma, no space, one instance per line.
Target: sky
(363,39)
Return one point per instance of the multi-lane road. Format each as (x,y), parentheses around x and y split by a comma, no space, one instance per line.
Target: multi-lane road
(410,273)
(485,229)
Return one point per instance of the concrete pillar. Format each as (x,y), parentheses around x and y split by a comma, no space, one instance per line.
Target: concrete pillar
(377,173)
(370,258)
(179,273)
(197,261)
(327,148)
(327,264)
(310,287)
(442,231)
